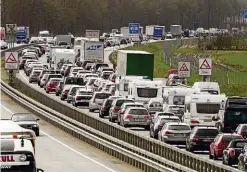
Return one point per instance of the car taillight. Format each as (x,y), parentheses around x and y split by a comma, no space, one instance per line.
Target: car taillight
(15,137)
(129,116)
(65,91)
(78,98)
(147,117)
(116,109)
(167,132)
(232,152)
(193,121)
(103,107)
(195,139)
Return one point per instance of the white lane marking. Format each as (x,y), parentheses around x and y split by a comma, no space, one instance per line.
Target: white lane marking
(70,148)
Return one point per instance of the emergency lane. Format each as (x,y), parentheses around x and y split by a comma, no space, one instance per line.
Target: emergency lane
(21,75)
(57,151)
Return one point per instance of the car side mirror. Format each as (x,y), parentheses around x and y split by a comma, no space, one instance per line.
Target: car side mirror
(39,170)
(37,119)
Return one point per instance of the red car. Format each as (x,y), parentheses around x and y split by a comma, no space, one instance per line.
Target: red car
(52,84)
(220,142)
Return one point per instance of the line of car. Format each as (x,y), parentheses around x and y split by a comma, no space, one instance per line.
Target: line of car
(94,87)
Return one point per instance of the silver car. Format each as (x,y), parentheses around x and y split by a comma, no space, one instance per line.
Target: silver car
(154,105)
(33,77)
(174,133)
(72,92)
(97,100)
(136,117)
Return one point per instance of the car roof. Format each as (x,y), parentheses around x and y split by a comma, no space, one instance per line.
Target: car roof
(200,127)
(177,123)
(136,108)
(131,103)
(168,117)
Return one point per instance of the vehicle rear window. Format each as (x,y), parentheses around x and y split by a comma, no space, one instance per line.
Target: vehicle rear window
(102,95)
(178,127)
(91,81)
(85,93)
(244,128)
(178,100)
(74,81)
(138,111)
(120,102)
(240,144)
(165,114)
(208,108)
(36,72)
(108,101)
(134,105)
(228,139)
(147,92)
(207,132)
(164,120)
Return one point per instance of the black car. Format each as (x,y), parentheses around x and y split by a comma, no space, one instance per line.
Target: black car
(200,138)
(26,120)
(105,107)
(232,152)
(123,41)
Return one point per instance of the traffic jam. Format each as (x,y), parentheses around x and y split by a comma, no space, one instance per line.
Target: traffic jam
(198,118)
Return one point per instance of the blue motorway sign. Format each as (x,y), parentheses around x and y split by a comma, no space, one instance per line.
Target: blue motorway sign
(245,13)
(134,28)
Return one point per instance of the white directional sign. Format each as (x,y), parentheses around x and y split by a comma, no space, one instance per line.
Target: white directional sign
(11,28)
(205,66)
(183,69)
(92,34)
(11,61)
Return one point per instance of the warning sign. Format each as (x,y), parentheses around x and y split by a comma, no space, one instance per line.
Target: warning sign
(205,66)
(184,69)
(11,61)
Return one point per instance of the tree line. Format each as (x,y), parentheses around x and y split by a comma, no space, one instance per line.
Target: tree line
(75,16)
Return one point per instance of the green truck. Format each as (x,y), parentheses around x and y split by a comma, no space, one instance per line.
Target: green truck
(135,63)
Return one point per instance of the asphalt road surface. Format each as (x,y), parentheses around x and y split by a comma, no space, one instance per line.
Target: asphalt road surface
(57,151)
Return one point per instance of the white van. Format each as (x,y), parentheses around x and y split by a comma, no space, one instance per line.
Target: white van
(176,95)
(60,54)
(142,91)
(200,108)
(122,84)
(210,87)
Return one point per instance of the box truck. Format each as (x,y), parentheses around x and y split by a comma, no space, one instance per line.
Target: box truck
(61,56)
(155,31)
(92,50)
(137,63)
(176,31)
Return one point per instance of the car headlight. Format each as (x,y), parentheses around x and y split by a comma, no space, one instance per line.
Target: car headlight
(23,157)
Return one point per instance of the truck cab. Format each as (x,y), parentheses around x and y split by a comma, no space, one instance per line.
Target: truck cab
(200,108)
(233,111)
(142,91)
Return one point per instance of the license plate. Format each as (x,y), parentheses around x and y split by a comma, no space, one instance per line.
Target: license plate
(207,140)
(84,100)
(207,120)
(139,120)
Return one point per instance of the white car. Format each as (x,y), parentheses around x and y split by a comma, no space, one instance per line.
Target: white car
(4,45)
(72,92)
(97,100)
(82,97)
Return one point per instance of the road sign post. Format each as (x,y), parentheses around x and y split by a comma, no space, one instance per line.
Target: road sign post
(134,30)
(183,69)
(11,30)
(11,64)
(205,68)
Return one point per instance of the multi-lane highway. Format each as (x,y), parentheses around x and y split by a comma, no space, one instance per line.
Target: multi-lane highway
(140,131)
(57,151)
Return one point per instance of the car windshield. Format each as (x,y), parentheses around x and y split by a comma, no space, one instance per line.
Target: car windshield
(179,127)
(85,93)
(165,120)
(138,112)
(120,102)
(207,132)
(18,118)
(178,100)
(102,95)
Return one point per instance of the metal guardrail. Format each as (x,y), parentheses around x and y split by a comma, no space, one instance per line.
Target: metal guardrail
(146,147)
